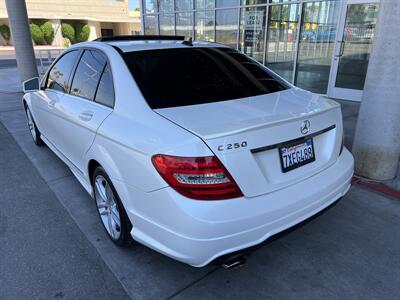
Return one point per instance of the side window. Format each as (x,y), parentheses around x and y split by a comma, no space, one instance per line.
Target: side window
(105,91)
(59,75)
(88,74)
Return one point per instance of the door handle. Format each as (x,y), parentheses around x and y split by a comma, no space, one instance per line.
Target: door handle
(86,115)
(52,103)
(342,43)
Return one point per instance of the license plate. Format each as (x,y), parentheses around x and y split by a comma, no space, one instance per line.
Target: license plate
(296,155)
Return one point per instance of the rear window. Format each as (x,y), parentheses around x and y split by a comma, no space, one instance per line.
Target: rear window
(194,75)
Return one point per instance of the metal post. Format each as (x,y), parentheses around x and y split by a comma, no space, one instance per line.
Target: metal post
(238,27)
(142,12)
(298,35)
(377,140)
(19,24)
(265,57)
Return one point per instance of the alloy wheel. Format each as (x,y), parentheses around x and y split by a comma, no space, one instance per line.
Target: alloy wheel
(31,124)
(107,207)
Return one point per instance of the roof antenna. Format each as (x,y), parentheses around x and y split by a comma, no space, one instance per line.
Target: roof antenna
(189,42)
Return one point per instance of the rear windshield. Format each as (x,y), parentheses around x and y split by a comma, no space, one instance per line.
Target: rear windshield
(194,75)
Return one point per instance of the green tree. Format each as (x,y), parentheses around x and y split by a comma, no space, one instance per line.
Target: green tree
(82,32)
(68,31)
(37,34)
(5,32)
(48,32)
(356,14)
(279,13)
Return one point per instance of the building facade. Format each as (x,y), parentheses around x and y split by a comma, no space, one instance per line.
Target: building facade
(321,46)
(105,17)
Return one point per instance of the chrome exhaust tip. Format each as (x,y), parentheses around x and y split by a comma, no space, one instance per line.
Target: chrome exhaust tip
(234,262)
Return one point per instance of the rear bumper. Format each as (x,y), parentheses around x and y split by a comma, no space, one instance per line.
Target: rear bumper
(197,232)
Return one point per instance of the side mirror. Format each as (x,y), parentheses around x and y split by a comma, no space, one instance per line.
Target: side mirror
(31,85)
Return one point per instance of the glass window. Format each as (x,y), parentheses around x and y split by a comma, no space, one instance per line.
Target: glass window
(205,26)
(253,2)
(201,75)
(150,6)
(150,25)
(205,4)
(182,5)
(280,1)
(227,3)
(252,31)
(227,26)
(167,24)
(184,24)
(87,74)
(358,37)
(281,39)
(105,91)
(59,75)
(317,39)
(166,5)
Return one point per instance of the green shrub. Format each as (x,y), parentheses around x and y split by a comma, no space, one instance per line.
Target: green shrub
(48,32)
(68,31)
(82,32)
(5,32)
(66,42)
(37,34)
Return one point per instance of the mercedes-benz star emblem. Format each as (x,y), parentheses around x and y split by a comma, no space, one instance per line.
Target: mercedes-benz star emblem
(305,127)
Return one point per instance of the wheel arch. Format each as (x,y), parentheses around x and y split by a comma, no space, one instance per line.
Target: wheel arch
(92,165)
(26,101)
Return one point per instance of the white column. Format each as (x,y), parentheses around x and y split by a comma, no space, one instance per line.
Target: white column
(95,30)
(19,25)
(377,140)
(58,38)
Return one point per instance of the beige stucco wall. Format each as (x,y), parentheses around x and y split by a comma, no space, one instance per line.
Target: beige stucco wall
(128,28)
(100,10)
(97,13)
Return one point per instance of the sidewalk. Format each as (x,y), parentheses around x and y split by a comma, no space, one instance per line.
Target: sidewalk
(43,254)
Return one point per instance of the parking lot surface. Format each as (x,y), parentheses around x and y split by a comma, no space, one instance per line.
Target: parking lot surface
(43,253)
(54,242)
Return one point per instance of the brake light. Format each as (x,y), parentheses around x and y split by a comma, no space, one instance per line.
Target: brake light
(201,178)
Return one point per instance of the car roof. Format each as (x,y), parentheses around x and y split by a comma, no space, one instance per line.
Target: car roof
(132,43)
(129,46)
(129,43)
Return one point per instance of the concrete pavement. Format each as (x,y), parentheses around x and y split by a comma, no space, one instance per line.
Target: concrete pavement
(351,251)
(43,254)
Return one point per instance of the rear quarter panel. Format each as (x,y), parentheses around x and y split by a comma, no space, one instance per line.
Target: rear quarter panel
(124,148)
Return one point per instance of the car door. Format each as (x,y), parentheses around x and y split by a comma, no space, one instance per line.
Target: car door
(54,88)
(78,114)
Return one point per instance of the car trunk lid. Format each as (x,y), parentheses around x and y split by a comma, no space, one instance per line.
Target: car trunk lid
(246,134)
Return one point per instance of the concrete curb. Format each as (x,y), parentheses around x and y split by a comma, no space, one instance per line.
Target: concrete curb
(376,186)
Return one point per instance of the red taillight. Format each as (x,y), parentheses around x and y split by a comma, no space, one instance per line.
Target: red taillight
(202,178)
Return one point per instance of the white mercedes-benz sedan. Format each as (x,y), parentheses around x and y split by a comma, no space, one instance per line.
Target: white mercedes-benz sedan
(190,148)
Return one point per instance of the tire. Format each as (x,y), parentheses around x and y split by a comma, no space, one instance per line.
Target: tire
(110,209)
(35,133)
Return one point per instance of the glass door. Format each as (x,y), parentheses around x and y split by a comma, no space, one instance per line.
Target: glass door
(316,45)
(352,49)
(252,31)
(282,36)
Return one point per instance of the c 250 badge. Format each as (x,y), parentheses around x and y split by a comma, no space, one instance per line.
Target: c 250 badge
(232,146)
